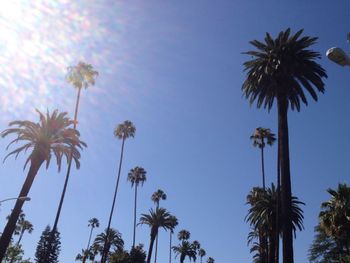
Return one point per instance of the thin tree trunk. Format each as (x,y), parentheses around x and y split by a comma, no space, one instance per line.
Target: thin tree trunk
(88,245)
(103,258)
(11,223)
(135,203)
(262,164)
(170,246)
(20,237)
(149,256)
(156,250)
(285,180)
(278,197)
(54,228)
(264,242)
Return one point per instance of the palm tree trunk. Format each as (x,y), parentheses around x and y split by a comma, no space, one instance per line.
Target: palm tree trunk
(277,240)
(170,246)
(135,203)
(262,164)
(54,228)
(103,258)
(88,245)
(272,245)
(20,237)
(11,223)
(149,256)
(285,180)
(156,250)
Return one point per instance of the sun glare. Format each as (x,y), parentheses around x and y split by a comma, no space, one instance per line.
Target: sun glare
(38,41)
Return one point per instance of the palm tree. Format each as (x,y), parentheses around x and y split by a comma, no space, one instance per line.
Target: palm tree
(123,131)
(156,197)
(51,134)
(25,226)
(260,137)
(174,221)
(84,255)
(202,253)
(262,217)
(160,218)
(196,246)
(280,69)
(81,76)
(183,235)
(93,223)
(136,176)
(185,249)
(210,260)
(335,215)
(114,241)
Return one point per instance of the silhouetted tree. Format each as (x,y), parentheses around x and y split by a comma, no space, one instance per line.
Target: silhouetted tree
(281,69)
(49,247)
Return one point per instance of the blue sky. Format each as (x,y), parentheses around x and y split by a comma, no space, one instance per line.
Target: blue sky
(174,68)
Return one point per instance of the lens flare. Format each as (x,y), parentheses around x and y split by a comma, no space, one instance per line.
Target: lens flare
(38,41)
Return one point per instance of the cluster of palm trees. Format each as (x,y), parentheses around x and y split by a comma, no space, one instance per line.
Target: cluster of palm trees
(56,135)
(280,69)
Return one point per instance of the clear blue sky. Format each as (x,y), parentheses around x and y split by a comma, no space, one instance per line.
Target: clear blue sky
(175,69)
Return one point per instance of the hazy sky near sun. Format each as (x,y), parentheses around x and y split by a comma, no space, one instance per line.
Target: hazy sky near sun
(174,68)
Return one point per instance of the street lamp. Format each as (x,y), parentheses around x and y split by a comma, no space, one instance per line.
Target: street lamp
(23,198)
(337,55)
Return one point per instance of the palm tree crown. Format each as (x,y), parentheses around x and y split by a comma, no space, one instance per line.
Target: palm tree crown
(184,235)
(157,196)
(51,135)
(335,214)
(93,222)
(81,75)
(185,249)
(262,134)
(125,130)
(283,67)
(137,176)
(113,240)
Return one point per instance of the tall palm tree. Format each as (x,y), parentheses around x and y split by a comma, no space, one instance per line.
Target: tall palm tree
(156,197)
(185,249)
(93,223)
(335,215)
(202,253)
(123,131)
(174,221)
(81,76)
(280,69)
(262,217)
(136,176)
(260,138)
(114,241)
(52,134)
(160,218)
